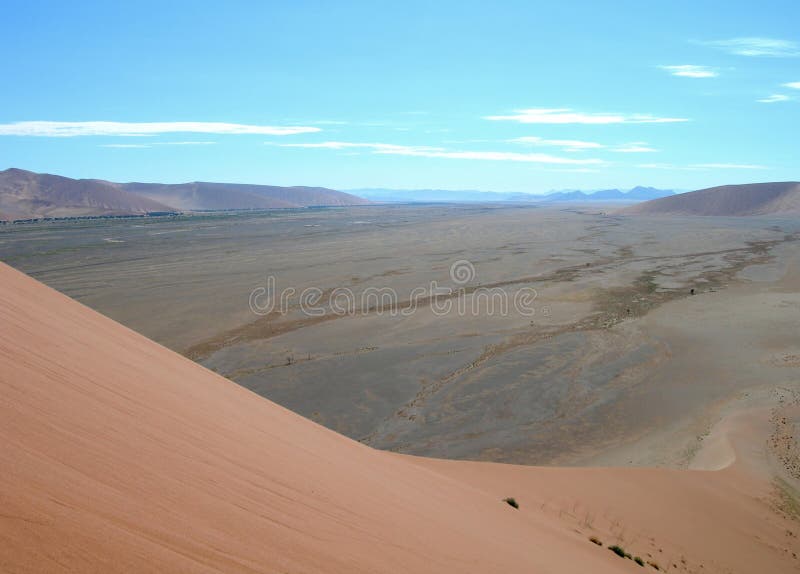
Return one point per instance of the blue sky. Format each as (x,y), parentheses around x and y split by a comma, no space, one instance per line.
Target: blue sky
(507,96)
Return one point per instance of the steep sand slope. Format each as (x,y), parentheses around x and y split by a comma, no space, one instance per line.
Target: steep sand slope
(689,521)
(777,198)
(119,455)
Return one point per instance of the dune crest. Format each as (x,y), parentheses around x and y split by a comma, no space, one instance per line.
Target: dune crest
(777,198)
(121,456)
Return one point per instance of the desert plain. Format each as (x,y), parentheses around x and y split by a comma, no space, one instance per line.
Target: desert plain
(664,343)
(639,331)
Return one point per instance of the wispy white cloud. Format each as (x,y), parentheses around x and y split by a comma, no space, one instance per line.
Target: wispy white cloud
(326,122)
(771,99)
(184,143)
(568,116)
(729,166)
(579,145)
(754,46)
(500,156)
(566,145)
(150,144)
(101,128)
(438,152)
(774,98)
(690,71)
(634,147)
(572,170)
(339,145)
(701,166)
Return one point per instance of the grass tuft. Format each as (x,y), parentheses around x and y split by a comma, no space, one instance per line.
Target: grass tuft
(618,550)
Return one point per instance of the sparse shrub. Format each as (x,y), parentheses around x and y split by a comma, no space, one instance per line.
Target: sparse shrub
(512,502)
(619,551)
(639,561)
(596,540)
(654,564)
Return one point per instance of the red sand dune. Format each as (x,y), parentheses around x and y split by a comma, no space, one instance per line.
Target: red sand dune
(24,194)
(201,195)
(777,198)
(119,455)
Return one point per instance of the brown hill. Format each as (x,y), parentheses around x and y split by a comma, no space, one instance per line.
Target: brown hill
(197,197)
(201,195)
(119,455)
(29,195)
(24,194)
(778,198)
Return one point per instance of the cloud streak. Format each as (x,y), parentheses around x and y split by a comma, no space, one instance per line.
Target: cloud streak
(634,147)
(568,116)
(701,166)
(154,144)
(690,71)
(774,98)
(792,85)
(566,145)
(579,145)
(184,143)
(102,128)
(755,47)
(438,152)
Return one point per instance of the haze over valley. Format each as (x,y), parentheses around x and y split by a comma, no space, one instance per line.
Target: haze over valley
(637,193)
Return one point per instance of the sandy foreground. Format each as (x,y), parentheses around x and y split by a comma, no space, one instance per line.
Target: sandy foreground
(119,455)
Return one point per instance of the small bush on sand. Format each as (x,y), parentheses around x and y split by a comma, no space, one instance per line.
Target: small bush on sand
(654,564)
(511,502)
(596,540)
(619,551)
(639,561)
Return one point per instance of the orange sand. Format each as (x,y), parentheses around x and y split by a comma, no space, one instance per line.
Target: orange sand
(118,455)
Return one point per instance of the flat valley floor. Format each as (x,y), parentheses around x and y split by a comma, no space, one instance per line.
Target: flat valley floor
(638,333)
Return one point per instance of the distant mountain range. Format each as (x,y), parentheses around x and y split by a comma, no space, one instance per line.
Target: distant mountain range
(443,195)
(24,194)
(776,198)
(29,195)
